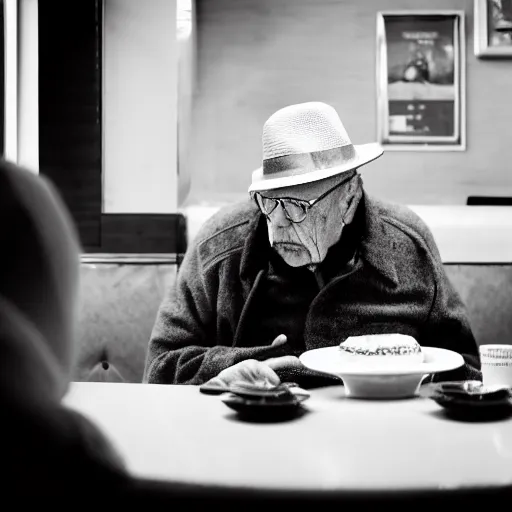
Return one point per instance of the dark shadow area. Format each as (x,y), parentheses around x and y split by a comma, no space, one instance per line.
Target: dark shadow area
(275,416)
(488,201)
(159,492)
(498,414)
(70,138)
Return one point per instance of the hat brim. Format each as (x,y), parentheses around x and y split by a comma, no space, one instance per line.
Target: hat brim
(365,153)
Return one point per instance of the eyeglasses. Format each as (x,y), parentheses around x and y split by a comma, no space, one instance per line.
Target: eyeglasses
(295,210)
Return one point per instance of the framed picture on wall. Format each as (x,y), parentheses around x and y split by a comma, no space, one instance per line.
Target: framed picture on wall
(421,80)
(493,28)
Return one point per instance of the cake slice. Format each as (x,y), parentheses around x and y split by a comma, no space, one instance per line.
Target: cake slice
(382,350)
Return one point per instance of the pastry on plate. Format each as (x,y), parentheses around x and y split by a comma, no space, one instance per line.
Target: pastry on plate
(382,350)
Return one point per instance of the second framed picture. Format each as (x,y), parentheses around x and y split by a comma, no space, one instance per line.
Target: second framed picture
(421,80)
(493,28)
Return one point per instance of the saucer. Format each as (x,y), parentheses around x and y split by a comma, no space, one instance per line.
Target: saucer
(474,408)
(471,391)
(264,408)
(471,399)
(367,381)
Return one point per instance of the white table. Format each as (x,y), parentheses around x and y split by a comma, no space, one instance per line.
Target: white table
(176,433)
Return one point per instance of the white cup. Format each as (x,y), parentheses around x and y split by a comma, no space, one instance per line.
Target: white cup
(496,365)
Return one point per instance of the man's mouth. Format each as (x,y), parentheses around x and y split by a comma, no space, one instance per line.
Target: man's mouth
(288,246)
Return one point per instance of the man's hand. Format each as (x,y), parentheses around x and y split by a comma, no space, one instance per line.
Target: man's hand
(279,363)
(253,372)
(250,371)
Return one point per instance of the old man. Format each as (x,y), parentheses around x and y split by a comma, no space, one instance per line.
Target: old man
(308,260)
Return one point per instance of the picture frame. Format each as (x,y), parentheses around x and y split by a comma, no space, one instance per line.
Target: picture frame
(493,28)
(421,73)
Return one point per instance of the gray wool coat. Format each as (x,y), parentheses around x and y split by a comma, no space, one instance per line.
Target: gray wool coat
(234,295)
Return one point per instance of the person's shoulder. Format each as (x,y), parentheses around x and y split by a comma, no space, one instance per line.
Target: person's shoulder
(404,221)
(225,232)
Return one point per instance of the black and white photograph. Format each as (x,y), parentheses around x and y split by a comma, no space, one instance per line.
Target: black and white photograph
(255,255)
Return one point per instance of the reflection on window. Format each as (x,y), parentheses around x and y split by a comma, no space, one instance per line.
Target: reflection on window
(184,18)
(2,79)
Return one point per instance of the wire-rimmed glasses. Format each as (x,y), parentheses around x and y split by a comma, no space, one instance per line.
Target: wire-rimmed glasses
(295,210)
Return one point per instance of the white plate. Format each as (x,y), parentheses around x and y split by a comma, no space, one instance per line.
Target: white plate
(363,381)
(329,360)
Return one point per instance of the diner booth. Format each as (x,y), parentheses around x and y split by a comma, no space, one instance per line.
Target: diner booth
(147,116)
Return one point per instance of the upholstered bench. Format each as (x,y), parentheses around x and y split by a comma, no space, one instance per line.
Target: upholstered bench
(118,308)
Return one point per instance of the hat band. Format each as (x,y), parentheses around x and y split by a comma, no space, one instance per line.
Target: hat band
(303,163)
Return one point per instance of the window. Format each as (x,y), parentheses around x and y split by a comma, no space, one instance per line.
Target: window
(71,139)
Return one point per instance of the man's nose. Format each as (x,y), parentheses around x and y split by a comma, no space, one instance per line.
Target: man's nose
(278,217)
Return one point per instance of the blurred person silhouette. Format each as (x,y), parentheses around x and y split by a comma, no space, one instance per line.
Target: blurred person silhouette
(49,450)
(52,454)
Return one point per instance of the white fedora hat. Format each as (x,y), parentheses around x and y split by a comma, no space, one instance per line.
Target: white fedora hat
(307,142)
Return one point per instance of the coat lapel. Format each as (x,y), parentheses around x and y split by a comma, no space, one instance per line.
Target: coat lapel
(377,244)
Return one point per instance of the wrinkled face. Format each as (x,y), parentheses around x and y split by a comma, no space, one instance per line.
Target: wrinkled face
(307,242)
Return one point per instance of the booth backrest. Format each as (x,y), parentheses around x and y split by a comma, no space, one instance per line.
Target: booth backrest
(120,302)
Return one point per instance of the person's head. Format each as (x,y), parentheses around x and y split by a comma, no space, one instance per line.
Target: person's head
(304,221)
(39,278)
(308,187)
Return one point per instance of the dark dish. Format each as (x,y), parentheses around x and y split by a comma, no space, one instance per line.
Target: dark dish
(265,408)
(266,404)
(472,400)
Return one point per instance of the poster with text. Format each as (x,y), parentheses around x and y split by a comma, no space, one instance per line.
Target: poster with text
(420,80)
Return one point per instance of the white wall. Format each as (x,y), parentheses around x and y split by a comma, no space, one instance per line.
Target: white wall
(139,106)
(256,56)
(187,51)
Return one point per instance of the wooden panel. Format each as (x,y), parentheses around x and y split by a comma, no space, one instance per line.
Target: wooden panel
(70,108)
(142,233)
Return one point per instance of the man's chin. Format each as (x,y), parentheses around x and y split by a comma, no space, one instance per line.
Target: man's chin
(293,255)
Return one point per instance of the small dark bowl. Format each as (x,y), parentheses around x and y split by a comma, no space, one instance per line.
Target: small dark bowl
(265,408)
(472,406)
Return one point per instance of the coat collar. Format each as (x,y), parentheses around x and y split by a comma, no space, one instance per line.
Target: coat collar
(375,245)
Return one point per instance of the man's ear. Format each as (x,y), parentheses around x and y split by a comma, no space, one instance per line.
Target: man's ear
(356,192)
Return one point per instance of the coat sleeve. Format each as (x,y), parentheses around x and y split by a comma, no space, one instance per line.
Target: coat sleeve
(448,324)
(184,347)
